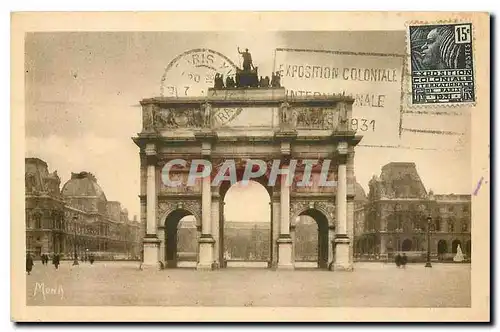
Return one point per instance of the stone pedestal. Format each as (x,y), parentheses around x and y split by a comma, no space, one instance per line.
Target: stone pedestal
(206,260)
(285,253)
(342,261)
(151,246)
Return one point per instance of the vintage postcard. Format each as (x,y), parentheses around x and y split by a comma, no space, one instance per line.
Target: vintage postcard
(250,166)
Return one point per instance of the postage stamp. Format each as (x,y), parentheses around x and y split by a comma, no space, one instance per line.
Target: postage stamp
(442,66)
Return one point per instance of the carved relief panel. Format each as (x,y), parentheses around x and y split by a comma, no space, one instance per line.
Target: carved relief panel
(298,207)
(178,183)
(165,208)
(156,118)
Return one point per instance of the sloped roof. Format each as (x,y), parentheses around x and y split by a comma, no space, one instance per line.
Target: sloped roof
(83,184)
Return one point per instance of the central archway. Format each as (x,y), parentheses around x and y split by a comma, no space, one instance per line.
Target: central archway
(311,239)
(245,234)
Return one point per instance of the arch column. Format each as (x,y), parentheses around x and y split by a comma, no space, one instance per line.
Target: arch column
(151,243)
(285,243)
(206,257)
(342,260)
(331,245)
(293,236)
(162,246)
(215,229)
(275,226)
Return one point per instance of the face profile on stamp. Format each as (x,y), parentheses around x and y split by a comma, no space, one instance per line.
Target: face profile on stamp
(440,51)
(430,50)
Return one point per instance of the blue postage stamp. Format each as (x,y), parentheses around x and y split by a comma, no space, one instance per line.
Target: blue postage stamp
(442,68)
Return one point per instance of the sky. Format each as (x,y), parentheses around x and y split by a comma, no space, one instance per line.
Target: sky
(83,90)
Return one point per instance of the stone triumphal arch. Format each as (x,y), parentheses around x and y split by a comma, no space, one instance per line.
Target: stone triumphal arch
(241,124)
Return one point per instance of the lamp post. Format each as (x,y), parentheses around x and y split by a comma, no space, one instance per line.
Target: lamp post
(428,263)
(75,261)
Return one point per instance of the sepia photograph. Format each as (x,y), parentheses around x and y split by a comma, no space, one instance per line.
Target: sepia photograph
(333,170)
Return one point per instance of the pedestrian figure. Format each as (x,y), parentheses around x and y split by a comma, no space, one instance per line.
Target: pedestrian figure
(29,263)
(398,260)
(55,261)
(404,260)
(91,259)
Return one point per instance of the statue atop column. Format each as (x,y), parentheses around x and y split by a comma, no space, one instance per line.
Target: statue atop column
(247,77)
(247,60)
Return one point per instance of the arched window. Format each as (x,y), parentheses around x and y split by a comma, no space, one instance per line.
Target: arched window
(406,246)
(454,246)
(38,220)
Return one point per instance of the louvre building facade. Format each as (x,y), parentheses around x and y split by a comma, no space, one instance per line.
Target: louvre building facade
(395,218)
(77,217)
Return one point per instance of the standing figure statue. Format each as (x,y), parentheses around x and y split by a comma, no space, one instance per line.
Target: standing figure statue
(207,110)
(247,60)
(276,80)
(287,117)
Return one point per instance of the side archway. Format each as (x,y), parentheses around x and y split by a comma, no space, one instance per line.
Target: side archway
(173,233)
(312,243)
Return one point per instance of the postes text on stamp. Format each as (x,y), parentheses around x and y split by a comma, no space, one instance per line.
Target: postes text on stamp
(442,68)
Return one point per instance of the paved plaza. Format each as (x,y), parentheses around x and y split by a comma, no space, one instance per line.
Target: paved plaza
(369,285)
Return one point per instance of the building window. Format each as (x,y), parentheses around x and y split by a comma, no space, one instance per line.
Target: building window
(438,224)
(417,225)
(450,208)
(38,220)
(451,227)
(28,220)
(465,227)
